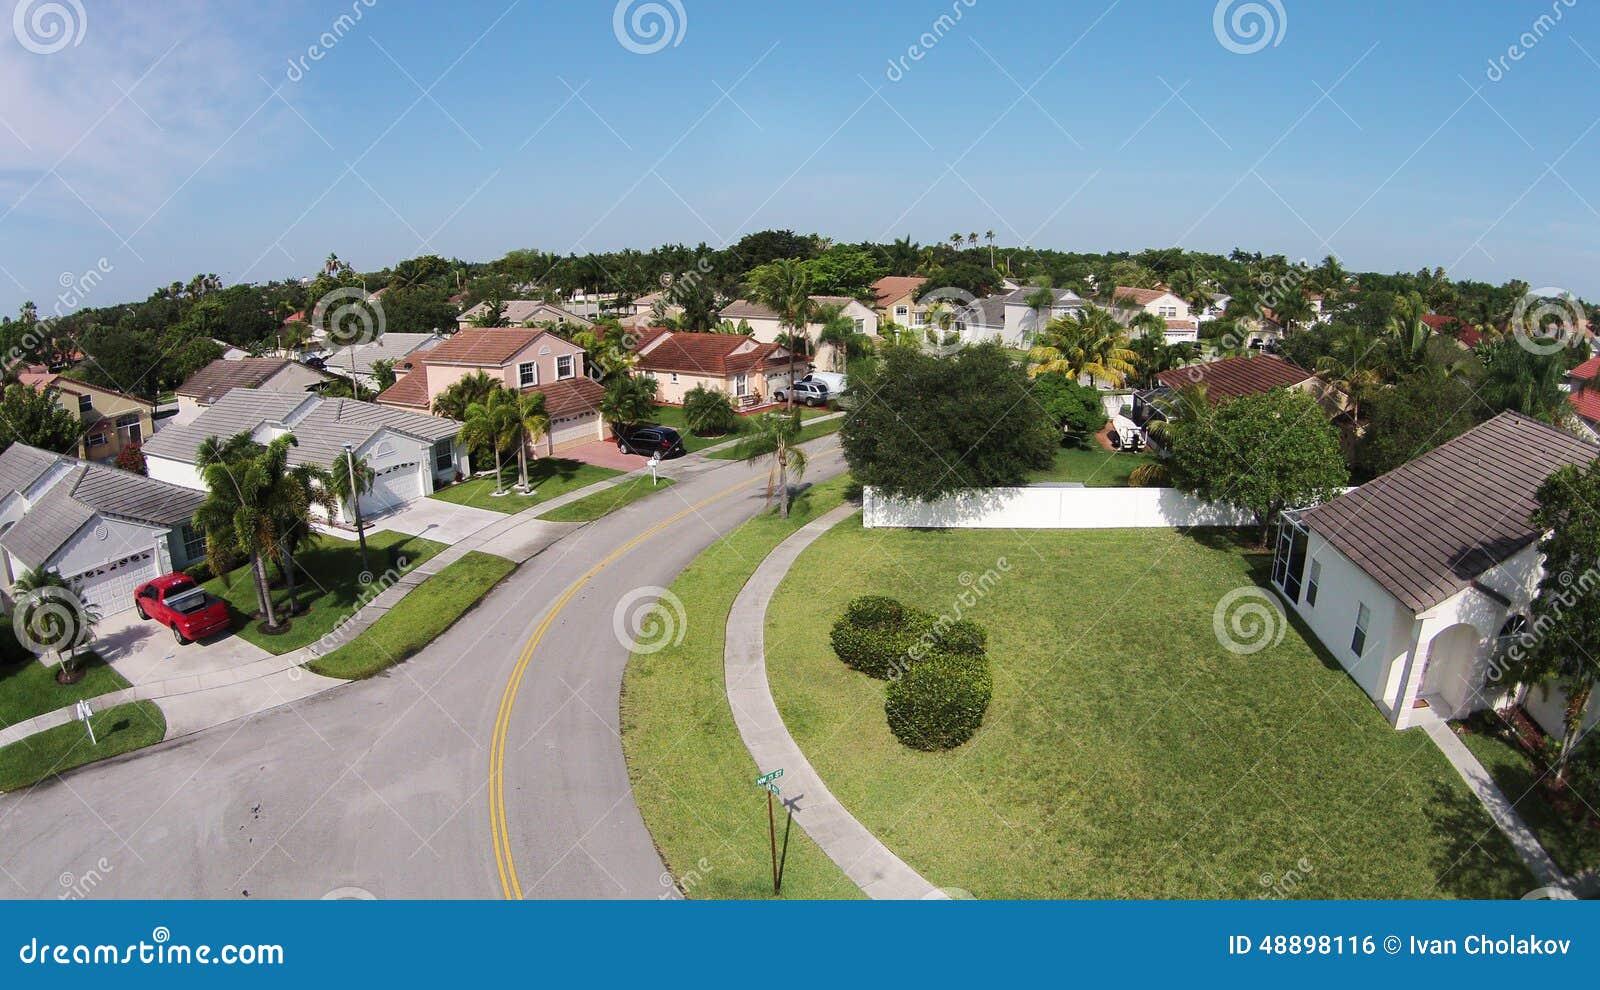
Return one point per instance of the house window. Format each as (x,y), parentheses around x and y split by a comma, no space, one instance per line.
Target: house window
(1289,563)
(97,440)
(741,385)
(564,367)
(900,314)
(444,455)
(528,374)
(861,326)
(194,543)
(85,403)
(1313,582)
(1170,312)
(1358,642)
(674,378)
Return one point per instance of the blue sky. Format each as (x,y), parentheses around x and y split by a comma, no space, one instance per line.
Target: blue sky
(175,138)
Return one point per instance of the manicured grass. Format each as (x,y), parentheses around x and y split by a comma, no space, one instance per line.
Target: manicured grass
(605,502)
(673,416)
(810,431)
(550,477)
(692,776)
(1574,846)
(29,688)
(117,730)
(1094,466)
(328,587)
(421,616)
(1125,754)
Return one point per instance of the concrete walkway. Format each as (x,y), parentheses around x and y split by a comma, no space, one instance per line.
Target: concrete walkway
(1500,808)
(866,861)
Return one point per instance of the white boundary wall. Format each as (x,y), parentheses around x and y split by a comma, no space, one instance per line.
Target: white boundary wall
(1052,507)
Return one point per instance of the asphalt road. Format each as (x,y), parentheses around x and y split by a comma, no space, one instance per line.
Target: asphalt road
(382,788)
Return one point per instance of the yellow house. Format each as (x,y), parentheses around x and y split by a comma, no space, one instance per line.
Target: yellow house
(110,420)
(896,300)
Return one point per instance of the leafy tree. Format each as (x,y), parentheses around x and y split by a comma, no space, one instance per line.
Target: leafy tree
(454,401)
(239,514)
(1090,343)
(31,416)
(1261,453)
(785,288)
(131,459)
(1075,409)
(383,374)
(1519,380)
(709,412)
(925,427)
(1418,414)
(494,424)
(629,399)
(776,436)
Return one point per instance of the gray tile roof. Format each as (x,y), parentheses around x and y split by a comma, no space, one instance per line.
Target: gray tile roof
(133,496)
(21,466)
(45,528)
(1063,297)
(1427,530)
(222,376)
(391,347)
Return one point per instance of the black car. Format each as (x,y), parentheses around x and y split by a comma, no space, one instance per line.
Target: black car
(648,441)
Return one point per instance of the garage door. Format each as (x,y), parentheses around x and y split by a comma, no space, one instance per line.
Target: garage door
(110,588)
(392,489)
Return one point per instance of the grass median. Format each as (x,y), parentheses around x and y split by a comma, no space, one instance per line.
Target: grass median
(604,503)
(419,618)
(28,687)
(118,730)
(550,478)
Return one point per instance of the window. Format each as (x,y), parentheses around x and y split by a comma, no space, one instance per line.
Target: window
(85,403)
(1170,312)
(741,385)
(1312,582)
(861,326)
(674,378)
(194,543)
(1358,642)
(1289,563)
(564,369)
(900,314)
(528,374)
(97,440)
(444,455)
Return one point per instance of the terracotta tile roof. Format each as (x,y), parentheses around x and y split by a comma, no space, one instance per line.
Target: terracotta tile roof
(1467,334)
(1176,324)
(42,380)
(1234,377)
(1141,297)
(572,396)
(718,354)
(489,347)
(1586,403)
(409,391)
(1427,530)
(1587,371)
(895,287)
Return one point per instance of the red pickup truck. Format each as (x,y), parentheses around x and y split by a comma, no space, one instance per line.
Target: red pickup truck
(178,602)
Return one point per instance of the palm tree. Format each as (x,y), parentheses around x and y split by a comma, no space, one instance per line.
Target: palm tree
(239,514)
(33,591)
(1090,343)
(533,423)
(989,236)
(1348,367)
(776,435)
(785,288)
(452,403)
(629,399)
(1294,309)
(838,332)
(295,490)
(1040,300)
(347,479)
(1522,381)
(493,423)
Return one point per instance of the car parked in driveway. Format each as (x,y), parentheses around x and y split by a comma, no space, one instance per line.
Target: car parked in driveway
(178,602)
(650,441)
(805,393)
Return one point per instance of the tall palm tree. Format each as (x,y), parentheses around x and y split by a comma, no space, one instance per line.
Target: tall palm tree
(775,435)
(296,489)
(533,424)
(1089,343)
(1040,300)
(1350,367)
(839,333)
(1519,380)
(239,514)
(785,288)
(989,236)
(349,477)
(493,423)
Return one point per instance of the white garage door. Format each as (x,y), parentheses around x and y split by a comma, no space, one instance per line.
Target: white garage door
(392,488)
(110,588)
(573,429)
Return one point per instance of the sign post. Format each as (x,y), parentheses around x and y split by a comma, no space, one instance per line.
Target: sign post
(655,461)
(769,783)
(84,713)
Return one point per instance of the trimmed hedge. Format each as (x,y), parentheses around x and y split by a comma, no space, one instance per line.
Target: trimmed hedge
(940,702)
(877,636)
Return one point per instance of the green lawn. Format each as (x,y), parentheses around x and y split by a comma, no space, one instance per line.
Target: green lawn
(421,616)
(810,431)
(673,416)
(329,586)
(1126,754)
(117,730)
(1092,466)
(1574,846)
(692,776)
(550,477)
(605,502)
(29,688)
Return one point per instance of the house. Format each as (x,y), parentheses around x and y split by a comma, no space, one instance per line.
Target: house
(767,326)
(1583,394)
(1233,378)
(524,360)
(1466,335)
(359,359)
(217,379)
(104,530)
(526,312)
(744,368)
(1220,301)
(229,351)
(1182,325)
(410,453)
(895,300)
(1023,321)
(1417,582)
(109,420)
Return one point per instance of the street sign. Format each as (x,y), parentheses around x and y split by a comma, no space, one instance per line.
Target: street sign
(768,778)
(83,713)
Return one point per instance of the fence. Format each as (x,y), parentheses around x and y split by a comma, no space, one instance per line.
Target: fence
(1052,507)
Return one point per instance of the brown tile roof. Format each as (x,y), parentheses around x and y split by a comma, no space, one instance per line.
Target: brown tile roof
(1142,297)
(893,287)
(744,309)
(221,377)
(720,354)
(1426,530)
(409,391)
(574,395)
(489,347)
(1234,377)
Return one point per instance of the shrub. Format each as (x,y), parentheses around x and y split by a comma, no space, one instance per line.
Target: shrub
(709,412)
(874,610)
(877,635)
(940,702)
(963,637)
(132,459)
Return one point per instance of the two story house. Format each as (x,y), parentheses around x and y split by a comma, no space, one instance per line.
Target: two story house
(109,420)
(1182,327)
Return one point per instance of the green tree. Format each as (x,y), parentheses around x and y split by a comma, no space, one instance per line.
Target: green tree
(349,477)
(454,401)
(38,609)
(785,288)
(1519,380)
(30,416)
(629,399)
(383,374)
(1090,343)
(238,515)
(1260,453)
(1418,414)
(709,412)
(532,423)
(1075,409)
(776,436)
(493,424)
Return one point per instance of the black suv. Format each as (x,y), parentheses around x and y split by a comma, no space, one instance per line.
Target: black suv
(647,441)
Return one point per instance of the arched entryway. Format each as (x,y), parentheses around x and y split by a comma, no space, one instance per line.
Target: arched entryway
(1454,676)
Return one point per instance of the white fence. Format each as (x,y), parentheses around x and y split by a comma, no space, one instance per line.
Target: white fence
(1052,507)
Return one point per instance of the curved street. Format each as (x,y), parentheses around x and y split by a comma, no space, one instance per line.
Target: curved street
(488,765)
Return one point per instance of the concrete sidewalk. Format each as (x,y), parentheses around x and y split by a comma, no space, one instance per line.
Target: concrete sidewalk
(865,860)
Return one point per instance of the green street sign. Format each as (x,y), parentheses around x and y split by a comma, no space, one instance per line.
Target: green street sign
(766,779)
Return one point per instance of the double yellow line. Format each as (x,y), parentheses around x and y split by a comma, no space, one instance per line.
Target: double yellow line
(497,748)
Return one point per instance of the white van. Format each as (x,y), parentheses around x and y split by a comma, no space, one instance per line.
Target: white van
(835,382)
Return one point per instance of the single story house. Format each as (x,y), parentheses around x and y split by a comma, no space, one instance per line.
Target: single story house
(1233,378)
(525,313)
(104,530)
(524,360)
(411,454)
(744,368)
(1417,582)
(360,358)
(217,379)
(109,420)
(895,299)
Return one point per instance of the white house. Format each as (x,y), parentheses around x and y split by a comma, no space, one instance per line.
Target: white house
(1416,581)
(106,531)
(359,359)
(1182,326)
(411,453)
(766,326)
(526,312)
(1023,321)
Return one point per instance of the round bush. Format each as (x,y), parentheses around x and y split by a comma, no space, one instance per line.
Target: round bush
(879,636)
(709,413)
(874,610)
(962,636)
(940,702)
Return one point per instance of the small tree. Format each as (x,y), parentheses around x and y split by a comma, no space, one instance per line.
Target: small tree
(494,424)
(132,459)
(775,435)
(1261,453)
(709,412)
(31,416)
(56,618)
(1076,409)
(629,399)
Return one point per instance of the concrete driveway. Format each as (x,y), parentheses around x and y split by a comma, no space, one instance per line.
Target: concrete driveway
(145,652)
(436,520)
